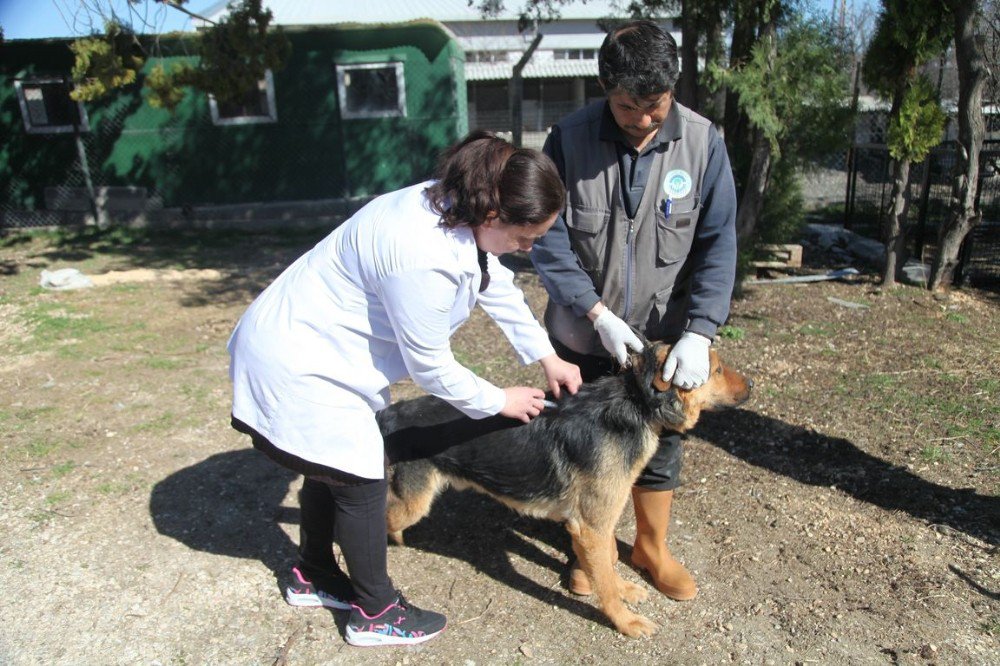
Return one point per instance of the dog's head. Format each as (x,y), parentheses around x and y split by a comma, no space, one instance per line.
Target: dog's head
(678,409)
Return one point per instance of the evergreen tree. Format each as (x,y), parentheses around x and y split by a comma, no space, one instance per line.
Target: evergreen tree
(909,34)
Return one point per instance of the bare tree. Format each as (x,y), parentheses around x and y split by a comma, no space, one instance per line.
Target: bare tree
(139,16)
(233,53)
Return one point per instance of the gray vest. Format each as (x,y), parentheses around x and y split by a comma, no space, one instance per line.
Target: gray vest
(637,265)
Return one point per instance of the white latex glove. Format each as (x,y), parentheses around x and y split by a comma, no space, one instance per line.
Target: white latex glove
(616,335)
(687,363)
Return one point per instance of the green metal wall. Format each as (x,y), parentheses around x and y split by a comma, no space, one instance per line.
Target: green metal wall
(309,153)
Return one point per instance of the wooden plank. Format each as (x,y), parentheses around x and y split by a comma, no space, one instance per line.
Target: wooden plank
(780,256)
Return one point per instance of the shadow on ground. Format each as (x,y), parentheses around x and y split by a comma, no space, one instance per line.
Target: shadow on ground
(248,262)
(479,531)
(231,503)
(819,460)
(475,529)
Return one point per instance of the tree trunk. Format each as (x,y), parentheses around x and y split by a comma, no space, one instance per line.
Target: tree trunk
(745,14)
(752,201)
(713,104)
(894,223)
(761,155)
(687,85)
(97,210)
(963,217)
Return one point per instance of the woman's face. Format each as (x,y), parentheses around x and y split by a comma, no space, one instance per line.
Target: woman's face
(498,238)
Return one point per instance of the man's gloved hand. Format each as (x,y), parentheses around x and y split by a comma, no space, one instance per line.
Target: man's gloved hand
(616,335)
(687,363)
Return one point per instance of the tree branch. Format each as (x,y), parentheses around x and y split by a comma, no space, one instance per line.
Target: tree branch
(179,7)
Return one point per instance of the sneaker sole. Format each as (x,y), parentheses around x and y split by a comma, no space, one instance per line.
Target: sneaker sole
(371,639)
(315,601)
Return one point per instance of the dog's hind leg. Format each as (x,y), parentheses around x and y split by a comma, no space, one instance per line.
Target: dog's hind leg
(591,548)
(412,490)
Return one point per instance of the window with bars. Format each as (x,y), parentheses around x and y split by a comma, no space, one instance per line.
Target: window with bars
(46,107)
(574,54)
(487,56)
(257,106)
(371,90)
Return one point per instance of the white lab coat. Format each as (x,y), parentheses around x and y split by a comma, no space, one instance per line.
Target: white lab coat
(375,301)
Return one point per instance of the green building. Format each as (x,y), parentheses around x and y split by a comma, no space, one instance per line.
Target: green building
(357,111)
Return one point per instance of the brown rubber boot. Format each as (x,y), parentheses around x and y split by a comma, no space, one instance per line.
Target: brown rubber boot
(578,581)
(650,552)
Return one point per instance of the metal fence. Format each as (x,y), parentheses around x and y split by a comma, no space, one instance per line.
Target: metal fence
(869,199)
(317,136)
(76,165)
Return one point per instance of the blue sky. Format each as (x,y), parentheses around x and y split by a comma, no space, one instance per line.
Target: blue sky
(29,19)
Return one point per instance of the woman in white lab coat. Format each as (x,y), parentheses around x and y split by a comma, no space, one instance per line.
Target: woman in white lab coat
(376,301)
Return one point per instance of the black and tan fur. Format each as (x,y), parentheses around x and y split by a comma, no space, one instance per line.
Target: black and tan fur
(574,464)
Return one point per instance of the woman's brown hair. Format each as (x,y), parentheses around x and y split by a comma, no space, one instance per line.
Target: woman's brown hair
(483,173)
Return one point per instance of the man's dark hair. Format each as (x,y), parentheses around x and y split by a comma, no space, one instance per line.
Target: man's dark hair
(483,174)
(638,58)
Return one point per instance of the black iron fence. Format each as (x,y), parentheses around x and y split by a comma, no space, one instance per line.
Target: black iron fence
(869,193)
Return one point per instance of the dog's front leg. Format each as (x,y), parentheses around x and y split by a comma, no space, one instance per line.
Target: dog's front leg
(591,549)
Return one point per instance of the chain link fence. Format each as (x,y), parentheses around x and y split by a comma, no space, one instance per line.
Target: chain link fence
(80,174)
(132,162)
(355,112)
(869,199)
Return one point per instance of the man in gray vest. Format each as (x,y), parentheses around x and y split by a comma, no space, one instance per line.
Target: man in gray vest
(648,240)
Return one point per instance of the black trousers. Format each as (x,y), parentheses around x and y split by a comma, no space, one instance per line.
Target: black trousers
(341,507)
(663,472)
(354,517)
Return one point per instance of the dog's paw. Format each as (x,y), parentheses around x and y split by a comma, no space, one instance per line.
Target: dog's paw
(631,593)
(636,626)
(397,537)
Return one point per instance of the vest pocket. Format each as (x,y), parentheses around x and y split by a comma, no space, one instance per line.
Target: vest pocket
(674,234)
(588,233)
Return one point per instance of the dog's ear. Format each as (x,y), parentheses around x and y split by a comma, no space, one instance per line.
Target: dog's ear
(672,407)
(636,359)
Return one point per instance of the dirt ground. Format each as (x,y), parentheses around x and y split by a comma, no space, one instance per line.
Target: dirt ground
(849,514)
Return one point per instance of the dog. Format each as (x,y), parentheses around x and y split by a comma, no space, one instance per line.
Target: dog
(574,463)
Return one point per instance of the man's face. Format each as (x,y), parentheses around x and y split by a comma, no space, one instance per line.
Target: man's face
(640,118)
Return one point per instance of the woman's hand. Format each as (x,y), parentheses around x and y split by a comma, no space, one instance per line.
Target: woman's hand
(523,403)
(561,373)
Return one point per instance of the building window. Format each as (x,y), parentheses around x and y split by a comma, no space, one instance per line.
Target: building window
(374,90)
(487,56)
(574,54)
(46,107)
(257,106)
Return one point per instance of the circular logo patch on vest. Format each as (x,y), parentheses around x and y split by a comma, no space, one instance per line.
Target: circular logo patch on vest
(677,184)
